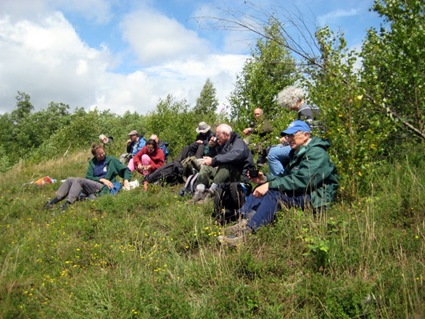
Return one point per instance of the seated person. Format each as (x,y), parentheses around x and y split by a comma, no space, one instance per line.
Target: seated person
(149,158)
(100,179)
(292,98)
(161,144)
(197,148)
(134,144)
(310,180)
(232,159)
(258,136)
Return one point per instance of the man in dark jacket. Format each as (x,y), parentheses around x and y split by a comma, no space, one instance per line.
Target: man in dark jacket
(310,179)
(232,160)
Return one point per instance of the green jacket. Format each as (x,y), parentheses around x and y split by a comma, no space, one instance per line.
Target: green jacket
(114,168)
(310,171)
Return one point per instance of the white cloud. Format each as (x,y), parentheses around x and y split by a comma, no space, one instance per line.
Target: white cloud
(156,38)
(46,59)
(333,16)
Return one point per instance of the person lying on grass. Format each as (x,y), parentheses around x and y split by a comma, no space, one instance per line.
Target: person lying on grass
(310,180)
(100,179)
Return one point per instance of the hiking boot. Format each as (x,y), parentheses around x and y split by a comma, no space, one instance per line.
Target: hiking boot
(209,194)
(64,207)
(236,229)
(48,206)
(233,241)
(198,196)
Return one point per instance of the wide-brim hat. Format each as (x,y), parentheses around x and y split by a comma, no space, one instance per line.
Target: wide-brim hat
(295,127)
(203,127)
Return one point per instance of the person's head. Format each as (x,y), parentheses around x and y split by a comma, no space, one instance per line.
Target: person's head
(297,134)
(151,145)
(203,128)
(133,135)
(223,133)
(103,139)
(155,138)
(98,151)
(258,113)
(291,97)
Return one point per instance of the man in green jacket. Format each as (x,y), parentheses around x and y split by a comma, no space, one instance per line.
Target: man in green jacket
(310,180)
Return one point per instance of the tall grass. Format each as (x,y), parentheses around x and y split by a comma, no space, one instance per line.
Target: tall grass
(152,255)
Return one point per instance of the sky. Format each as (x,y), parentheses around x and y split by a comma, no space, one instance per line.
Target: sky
(126,55)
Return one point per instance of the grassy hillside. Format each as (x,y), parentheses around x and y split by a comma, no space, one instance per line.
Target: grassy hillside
(152,255)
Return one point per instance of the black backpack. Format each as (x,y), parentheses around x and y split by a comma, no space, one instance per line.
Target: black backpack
(170,174)
(228,199)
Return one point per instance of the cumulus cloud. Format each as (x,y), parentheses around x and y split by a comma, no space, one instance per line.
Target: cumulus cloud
(156,38)
(48,60)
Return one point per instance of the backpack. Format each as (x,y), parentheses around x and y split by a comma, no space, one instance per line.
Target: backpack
(228,199)
(170,173)
(190,185)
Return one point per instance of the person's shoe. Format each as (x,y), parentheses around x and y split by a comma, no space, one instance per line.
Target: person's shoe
(209,194)
(231,241)
(198,196)
(48,206)
(64,207)
(234,241)
(236,229)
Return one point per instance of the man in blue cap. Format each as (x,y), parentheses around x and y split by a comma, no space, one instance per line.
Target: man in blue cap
(310,180)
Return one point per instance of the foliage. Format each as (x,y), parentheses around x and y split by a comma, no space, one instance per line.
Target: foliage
(206,103)
(151,255)
(394,68)
(173,122)
(268,71)
(356,133)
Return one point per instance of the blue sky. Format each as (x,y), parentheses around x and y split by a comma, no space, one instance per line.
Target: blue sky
(125,55)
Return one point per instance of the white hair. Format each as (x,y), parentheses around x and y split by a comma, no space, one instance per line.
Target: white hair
(224,128)
(290,96)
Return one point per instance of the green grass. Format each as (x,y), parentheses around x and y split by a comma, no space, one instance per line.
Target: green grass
(152,255)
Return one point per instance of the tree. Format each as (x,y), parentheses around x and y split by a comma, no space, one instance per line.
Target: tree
(269,70)
(207,102)
(394,66)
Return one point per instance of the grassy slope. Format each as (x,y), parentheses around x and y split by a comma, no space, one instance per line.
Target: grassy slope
(151,255)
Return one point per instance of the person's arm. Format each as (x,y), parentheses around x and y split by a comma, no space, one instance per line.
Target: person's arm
(237,154)
(158,160)
(137,159)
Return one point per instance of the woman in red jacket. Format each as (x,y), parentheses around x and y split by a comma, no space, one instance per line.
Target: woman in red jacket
(149,158)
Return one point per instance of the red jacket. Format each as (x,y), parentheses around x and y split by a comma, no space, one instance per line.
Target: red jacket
(157,158)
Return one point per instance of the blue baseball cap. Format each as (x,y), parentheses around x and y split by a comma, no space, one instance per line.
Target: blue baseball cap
(296,126)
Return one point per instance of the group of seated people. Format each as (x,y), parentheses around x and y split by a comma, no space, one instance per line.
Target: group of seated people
(308,177)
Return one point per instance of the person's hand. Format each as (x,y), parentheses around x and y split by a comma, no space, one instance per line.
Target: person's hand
(261,190)
(200,142)
(247,131)
(260,179)
(126,185)
(207,161)
(128,141)
(106,182)
(283,140)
